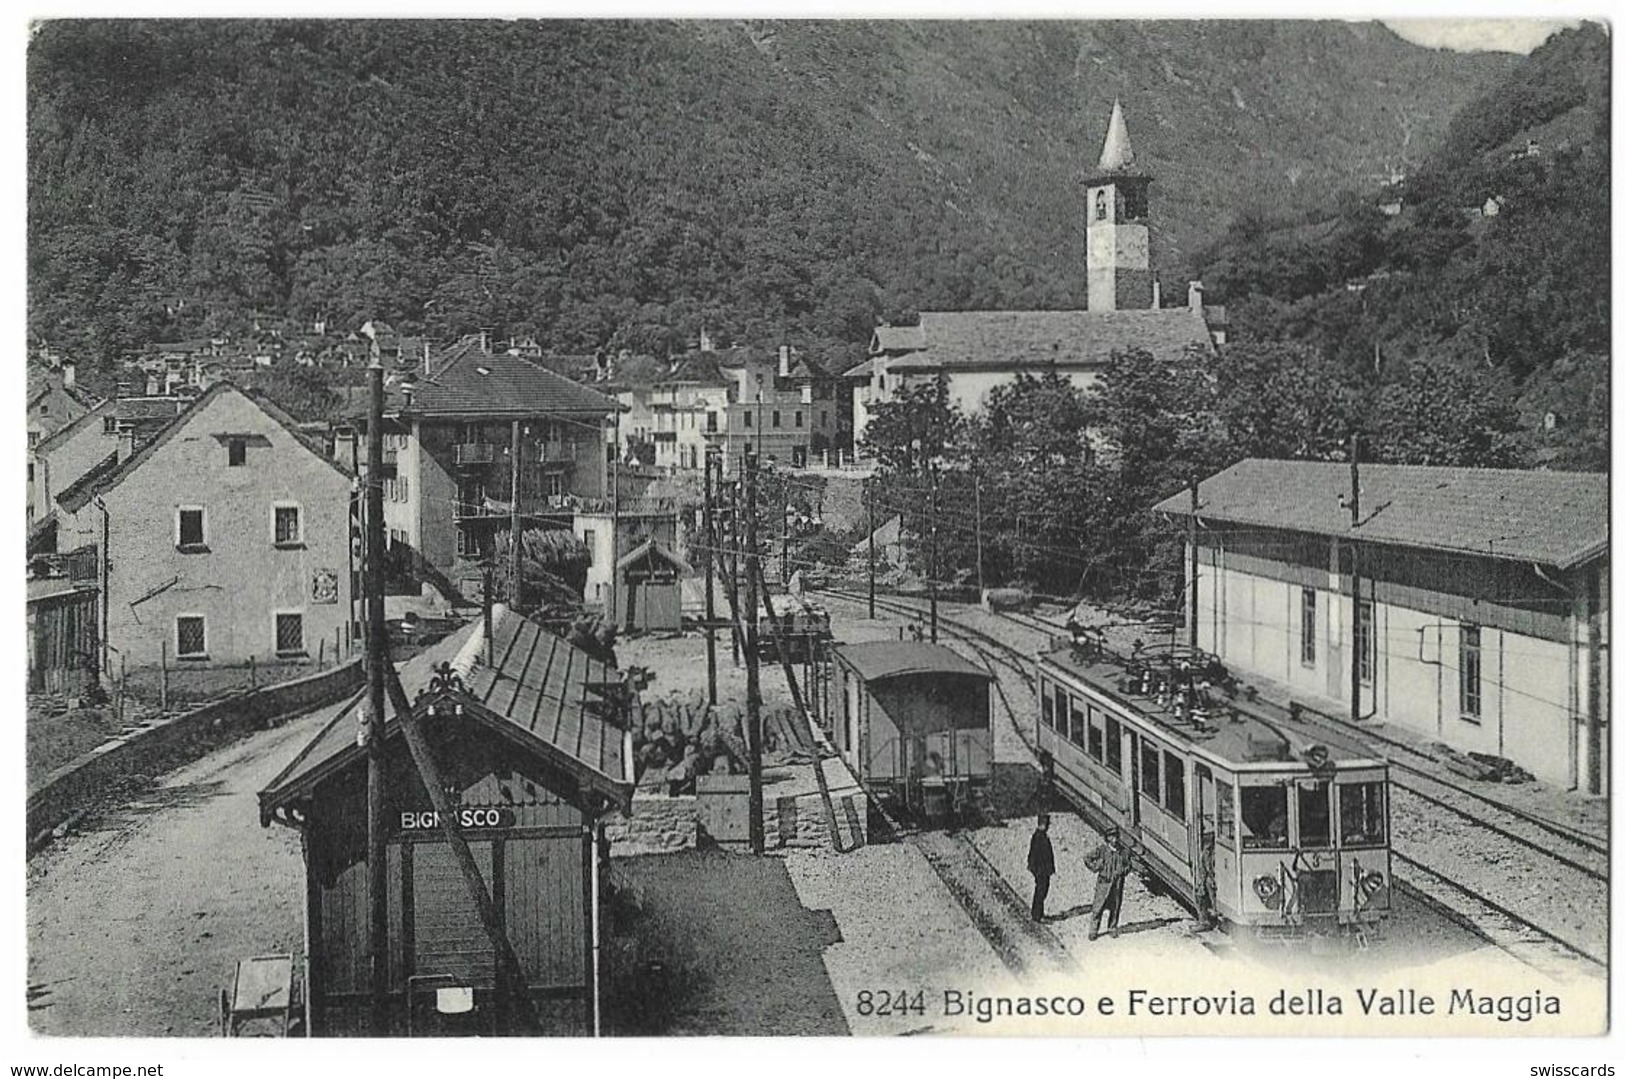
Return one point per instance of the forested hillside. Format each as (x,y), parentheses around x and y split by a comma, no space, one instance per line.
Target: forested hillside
(617,184)
(1483,302)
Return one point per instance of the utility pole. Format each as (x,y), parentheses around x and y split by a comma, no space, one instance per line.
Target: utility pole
(1354,578)
(869,489)
(710,531)
(753,686)
(1190,541)
(933,572)
(373,732)
(516,589)
(981,585)
(614,611)
(784,530)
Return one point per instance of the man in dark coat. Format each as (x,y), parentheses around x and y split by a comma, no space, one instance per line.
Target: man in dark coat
(1111,862)
(1041,864)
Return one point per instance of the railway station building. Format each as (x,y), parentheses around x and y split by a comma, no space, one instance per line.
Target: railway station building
(1466,605)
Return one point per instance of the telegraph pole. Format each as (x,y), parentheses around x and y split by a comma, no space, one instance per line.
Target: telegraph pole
(753,686)
(981,585)
(933,573)
(710,530)
(1190,541)
(869,489)
(784,530)
(516,590)
(373,732)
(1354,578)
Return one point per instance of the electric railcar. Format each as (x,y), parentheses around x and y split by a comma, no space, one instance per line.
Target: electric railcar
(1243,817)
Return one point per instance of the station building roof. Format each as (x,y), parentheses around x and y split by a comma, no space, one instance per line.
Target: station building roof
(538,690)
(1554,518)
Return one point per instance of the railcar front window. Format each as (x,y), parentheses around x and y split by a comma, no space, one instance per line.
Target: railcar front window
(1263,818)
(1315,816)
(1360,807)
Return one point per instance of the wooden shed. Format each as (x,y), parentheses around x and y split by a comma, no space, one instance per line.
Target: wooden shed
(914,721)
(63,648)
(650,595)
(529,739)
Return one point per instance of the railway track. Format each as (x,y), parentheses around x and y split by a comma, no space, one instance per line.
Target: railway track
(1564,868)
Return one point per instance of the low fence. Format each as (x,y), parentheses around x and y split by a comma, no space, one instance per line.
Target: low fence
(178,741)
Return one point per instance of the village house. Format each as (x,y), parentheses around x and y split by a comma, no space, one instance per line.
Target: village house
(224,540)
(113,429)
(1467,605)
(974,351)
(54,399)
(462,436)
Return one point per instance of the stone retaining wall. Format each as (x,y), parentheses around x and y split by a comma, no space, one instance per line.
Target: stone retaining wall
(177,741)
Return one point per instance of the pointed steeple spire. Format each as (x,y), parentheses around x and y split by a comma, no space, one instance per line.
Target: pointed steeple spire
(1116,155)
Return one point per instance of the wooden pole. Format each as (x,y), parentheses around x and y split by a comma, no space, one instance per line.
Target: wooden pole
(710,531)
(933,573)
(1190,541)
(981,584)
(377,661)
(753,687)
(869,489)
(1354,577)
(163,676)
(516,588)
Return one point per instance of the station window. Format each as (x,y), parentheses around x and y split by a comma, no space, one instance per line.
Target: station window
(1471,673)
(1263,818)
(1226,798)
(1097,735)
(1360,810)
(1173,788)
(1314,815)
(1114,745)
(775,418)
(1150,771)
(1306,640)
(747,419)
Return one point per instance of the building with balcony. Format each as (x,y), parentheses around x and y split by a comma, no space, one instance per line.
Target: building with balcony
(478,440)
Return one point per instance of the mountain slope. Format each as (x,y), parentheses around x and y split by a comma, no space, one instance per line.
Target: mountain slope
(622,183)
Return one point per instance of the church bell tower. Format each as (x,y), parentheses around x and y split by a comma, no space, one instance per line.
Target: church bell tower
(1119,232)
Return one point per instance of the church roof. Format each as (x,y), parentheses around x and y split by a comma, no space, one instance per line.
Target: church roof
(1037,339)
(1116,154)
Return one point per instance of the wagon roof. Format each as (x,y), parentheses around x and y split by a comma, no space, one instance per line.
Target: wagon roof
(539,690)
(877,660)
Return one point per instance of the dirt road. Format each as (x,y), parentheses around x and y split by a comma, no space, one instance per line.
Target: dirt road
(136,922)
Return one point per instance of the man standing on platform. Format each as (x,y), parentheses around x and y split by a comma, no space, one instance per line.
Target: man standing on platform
(1111,862)
(1041,864)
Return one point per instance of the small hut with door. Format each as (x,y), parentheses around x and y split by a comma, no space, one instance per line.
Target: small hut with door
(530,741)
(913,720)
(650,596)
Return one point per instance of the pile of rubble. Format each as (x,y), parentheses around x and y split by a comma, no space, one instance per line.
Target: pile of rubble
(1485,767)
(679,737)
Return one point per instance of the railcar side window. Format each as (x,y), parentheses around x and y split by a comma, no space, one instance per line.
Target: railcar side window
(1315,816)
(1079,722)
(1114,746)
(1263,818)
(1226,813)
(1174,787)
(1096,735)
(1151,771)
(1048,704)
(1360,806)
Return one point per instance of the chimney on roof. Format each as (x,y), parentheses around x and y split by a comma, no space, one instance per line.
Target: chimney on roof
(126,443)
(1196,296)
(485,340)
(67,374)
(705,340)
(1156,293)
(784,361)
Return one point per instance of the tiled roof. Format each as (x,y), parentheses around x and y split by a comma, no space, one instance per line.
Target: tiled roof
(1554,518)
(864,369)
(466,381)
(897,339)
(539,689)
(138,409)
(654,552)
(700,369)
(62,434)
(875,660)
(102,479)
(960,339)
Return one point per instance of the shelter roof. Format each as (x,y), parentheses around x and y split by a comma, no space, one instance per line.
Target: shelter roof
(875,661)
(1035,339)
